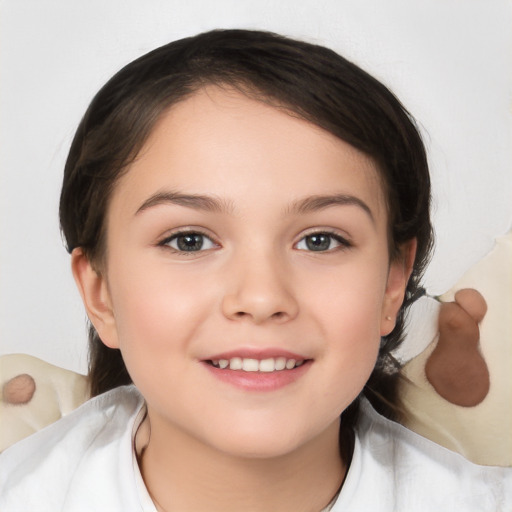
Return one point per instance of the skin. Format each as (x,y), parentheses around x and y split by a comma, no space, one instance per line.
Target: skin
(215,446)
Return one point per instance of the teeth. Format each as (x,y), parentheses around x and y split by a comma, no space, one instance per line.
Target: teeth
(267,365)
(250,365)
(290,363)
(235,363)
(280,363)
(254,365)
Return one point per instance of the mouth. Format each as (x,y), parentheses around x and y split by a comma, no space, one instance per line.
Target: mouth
(258,371)
(268,365)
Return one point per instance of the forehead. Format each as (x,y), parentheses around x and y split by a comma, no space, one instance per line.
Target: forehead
(219,141)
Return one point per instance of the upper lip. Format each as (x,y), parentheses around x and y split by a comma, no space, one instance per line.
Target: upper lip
(258,353)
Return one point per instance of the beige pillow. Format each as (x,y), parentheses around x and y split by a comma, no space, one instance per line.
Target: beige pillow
(482,433)
(35,394)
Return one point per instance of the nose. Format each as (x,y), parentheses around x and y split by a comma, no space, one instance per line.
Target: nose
(258,290)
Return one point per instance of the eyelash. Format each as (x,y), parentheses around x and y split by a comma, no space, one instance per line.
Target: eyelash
(342,242)
(175,236)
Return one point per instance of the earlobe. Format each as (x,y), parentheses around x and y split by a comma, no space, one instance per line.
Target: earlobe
(95,296)
(399,273)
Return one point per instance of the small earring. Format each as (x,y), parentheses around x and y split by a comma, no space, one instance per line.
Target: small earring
(389,318)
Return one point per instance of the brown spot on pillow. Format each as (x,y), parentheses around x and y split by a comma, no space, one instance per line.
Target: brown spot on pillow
(456,368)
(19,390)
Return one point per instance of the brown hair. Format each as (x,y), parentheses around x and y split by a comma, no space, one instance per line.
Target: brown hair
(306,80)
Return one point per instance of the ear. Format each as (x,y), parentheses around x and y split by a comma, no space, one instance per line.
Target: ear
(96,297)
(399,273)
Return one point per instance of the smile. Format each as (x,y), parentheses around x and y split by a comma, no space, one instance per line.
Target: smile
(260,370)
(267,365)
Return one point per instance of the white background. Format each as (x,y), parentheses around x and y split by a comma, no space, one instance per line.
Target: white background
(448,60)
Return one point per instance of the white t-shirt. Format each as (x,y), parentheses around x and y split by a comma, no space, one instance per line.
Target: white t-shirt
(86,462)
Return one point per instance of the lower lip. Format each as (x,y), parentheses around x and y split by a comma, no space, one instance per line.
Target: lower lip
(259,381)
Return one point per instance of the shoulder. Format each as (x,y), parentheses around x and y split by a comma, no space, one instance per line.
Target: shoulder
(397,470)
(70,458)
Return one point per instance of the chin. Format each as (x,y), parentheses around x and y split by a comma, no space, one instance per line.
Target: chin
(260,449)
(267,440)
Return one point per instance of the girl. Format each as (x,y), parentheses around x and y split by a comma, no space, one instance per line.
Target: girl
(246,215)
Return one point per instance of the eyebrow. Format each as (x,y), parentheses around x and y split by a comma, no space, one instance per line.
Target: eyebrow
(316,203)
(218,205)
(195,201)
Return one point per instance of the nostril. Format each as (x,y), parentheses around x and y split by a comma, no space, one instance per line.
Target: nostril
(258,307)
(278,315)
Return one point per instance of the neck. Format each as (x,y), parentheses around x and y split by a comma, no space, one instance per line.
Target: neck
(183,474)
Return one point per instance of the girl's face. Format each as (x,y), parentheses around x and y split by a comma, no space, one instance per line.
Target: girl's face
(243,236)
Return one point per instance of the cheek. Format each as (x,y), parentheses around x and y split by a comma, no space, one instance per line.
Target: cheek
(157,320)
(350,301)
(349,315)
(157,309)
